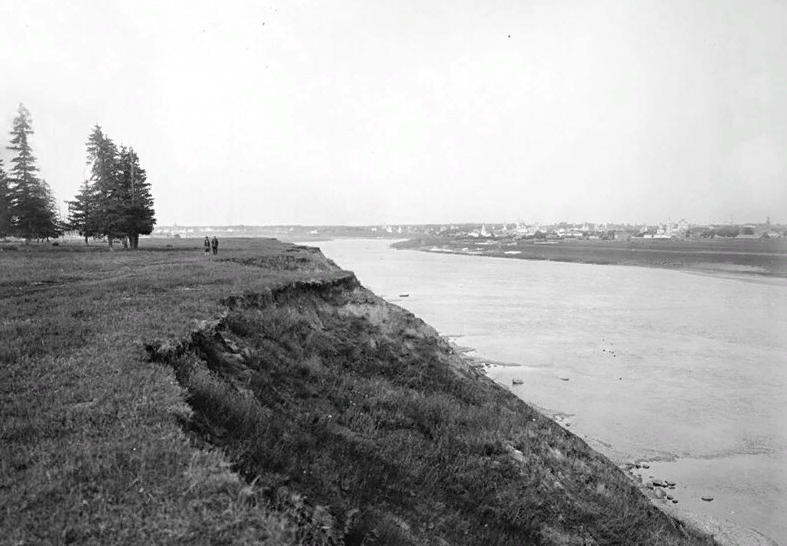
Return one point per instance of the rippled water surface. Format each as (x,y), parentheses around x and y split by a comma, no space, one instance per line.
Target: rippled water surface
(684,370)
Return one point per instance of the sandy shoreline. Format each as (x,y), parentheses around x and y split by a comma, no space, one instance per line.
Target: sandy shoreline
(725,532)
(734,258)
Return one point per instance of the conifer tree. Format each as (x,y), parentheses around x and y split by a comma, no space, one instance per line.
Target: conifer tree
(33,207)
(107,198)
(46,211)
(116,201)
(138,214)
(83,212)
(5,203)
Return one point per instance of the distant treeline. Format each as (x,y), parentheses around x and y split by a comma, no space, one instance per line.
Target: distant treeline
(113,203)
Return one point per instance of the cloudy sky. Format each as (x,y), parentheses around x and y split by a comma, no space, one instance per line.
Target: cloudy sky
(412,111)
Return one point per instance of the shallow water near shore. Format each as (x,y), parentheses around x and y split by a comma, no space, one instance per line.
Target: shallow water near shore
(687,372)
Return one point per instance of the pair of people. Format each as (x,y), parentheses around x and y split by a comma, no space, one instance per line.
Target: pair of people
(211,245)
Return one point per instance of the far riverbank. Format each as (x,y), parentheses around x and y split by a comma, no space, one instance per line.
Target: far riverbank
(751,257)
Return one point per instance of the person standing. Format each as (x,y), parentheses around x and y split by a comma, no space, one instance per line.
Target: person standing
(207,245)
(215,245)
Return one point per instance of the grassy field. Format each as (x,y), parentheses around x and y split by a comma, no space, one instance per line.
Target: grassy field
(262,396)
(738,256)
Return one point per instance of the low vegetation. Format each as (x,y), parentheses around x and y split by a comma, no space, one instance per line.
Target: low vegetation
(262,396)
(760,257)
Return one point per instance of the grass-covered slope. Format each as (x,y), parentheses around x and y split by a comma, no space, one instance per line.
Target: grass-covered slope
(264,397)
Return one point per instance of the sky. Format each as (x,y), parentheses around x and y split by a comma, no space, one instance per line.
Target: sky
(365,112)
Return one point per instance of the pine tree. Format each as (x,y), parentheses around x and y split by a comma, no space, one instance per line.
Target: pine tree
(138,214)
(102,153)
(83,212)
(116,201)
(5,203)
(33,207)
(46,211)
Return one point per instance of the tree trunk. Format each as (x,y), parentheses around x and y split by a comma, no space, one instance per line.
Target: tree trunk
(86,241)
(111,247)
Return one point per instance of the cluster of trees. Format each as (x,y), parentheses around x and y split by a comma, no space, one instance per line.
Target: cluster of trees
(27,205)
(723,231)
(115,201)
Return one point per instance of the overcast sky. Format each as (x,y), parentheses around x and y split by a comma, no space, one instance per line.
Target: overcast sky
(413,111)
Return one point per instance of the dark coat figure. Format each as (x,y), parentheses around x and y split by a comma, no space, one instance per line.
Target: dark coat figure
(207,245)
(215,245)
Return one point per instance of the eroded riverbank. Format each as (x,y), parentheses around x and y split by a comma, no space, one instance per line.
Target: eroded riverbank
(662,365)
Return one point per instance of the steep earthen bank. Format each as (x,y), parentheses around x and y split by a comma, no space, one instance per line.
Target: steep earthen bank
(358,416)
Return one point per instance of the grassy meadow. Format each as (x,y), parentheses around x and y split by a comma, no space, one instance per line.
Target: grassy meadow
(261,396)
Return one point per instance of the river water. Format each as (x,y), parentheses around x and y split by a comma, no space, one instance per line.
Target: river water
(684,371)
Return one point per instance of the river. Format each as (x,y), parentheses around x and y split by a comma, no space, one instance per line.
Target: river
(684,371)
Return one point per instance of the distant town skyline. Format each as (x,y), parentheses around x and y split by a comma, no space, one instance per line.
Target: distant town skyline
(360,113)
(392,226)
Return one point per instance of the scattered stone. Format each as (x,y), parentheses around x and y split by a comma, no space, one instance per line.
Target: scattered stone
(404,295)
(517,381)
(669,497)
(674,501)
(707,499)
(563,378)
(658,483)
(645,465)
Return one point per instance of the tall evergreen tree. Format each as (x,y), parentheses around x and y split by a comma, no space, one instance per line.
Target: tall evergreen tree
(33,207)
(102,154)
(47,219)
(138,214)
(5,203)
(115,202)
